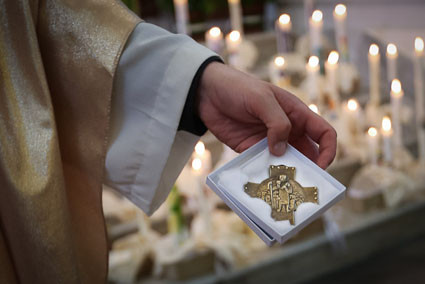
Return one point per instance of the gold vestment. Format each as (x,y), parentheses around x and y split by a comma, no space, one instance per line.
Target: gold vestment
(57,64)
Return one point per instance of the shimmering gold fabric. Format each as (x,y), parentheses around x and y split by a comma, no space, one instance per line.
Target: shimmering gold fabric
(57,62)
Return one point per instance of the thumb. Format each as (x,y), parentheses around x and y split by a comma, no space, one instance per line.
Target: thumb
(277,123)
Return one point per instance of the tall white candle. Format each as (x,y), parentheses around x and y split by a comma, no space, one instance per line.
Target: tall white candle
(316,25)
(233,42)
(372,137)
(387,134)
(283,28)
(277,71)
(374,74)
(419,97)
(182,16)
(331,71)
(396,104)
(203,206)
(236,19)
(353,115)
(313,69)
(392,55)
(214,40)
(340,16)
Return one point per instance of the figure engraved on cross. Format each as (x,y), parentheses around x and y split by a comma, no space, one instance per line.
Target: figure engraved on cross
(282,192)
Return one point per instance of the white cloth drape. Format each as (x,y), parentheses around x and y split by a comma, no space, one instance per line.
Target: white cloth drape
(146,152)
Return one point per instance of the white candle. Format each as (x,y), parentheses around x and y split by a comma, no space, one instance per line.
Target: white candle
(214,40)
(205,156)
(331,70)
(372,137)
(278,70)
(313,69)
(202,200)
(374,74)
(182,16)
(419,97)
(340,16)
(236,19)
(392,55)
(233,42)
(387,134)
(316,25)
(283,28)
(396,104)
(353,117)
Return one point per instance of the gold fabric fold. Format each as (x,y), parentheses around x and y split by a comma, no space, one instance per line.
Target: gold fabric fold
(57,63)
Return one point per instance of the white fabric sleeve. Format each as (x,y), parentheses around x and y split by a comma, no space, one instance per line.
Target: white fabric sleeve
(146,152)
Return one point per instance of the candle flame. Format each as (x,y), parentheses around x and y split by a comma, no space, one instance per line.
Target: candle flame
(373,49)
(200,148)
(234,1)
(313,61)
(352,105)
(314,108)
(340,9)
(317,16)
(333,57)
(284,19)
(372,132)
(386,124)
(419,44)
(215,32)
(196,164)
(279,61)
(391,49)
(235,36)
(396,87)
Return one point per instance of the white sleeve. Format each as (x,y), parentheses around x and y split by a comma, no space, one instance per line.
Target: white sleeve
(146,153)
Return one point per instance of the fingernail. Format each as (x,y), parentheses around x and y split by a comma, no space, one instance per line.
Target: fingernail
(279,148)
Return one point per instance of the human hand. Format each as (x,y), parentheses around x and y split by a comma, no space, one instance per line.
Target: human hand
(240,110)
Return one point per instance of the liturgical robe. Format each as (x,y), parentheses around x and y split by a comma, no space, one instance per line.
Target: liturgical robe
(61,64)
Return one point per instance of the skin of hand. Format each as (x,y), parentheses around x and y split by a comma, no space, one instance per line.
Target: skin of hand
(240,110)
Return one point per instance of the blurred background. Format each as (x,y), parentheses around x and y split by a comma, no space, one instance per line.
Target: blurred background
(359,64)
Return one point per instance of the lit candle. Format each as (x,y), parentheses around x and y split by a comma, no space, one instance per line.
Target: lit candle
(372,135)
(277,71)
(233,42)
(182,16)
(283,28)
(204,155)
(204,209)
(314,108)
(316,25)
(387,134)
(392,55)
(340,16)
(313,69)
(353,117)
(419,99)
(331,70)
(396,104)
(236,20)
(214,39)
(374,74)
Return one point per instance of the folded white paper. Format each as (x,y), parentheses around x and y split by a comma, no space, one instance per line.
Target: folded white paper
(253,166)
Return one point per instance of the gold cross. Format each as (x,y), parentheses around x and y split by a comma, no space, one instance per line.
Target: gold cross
(282,192)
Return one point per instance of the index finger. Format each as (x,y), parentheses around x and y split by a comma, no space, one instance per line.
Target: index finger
(305,121)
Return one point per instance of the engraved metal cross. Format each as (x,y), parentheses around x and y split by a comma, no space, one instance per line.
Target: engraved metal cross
(282,192)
